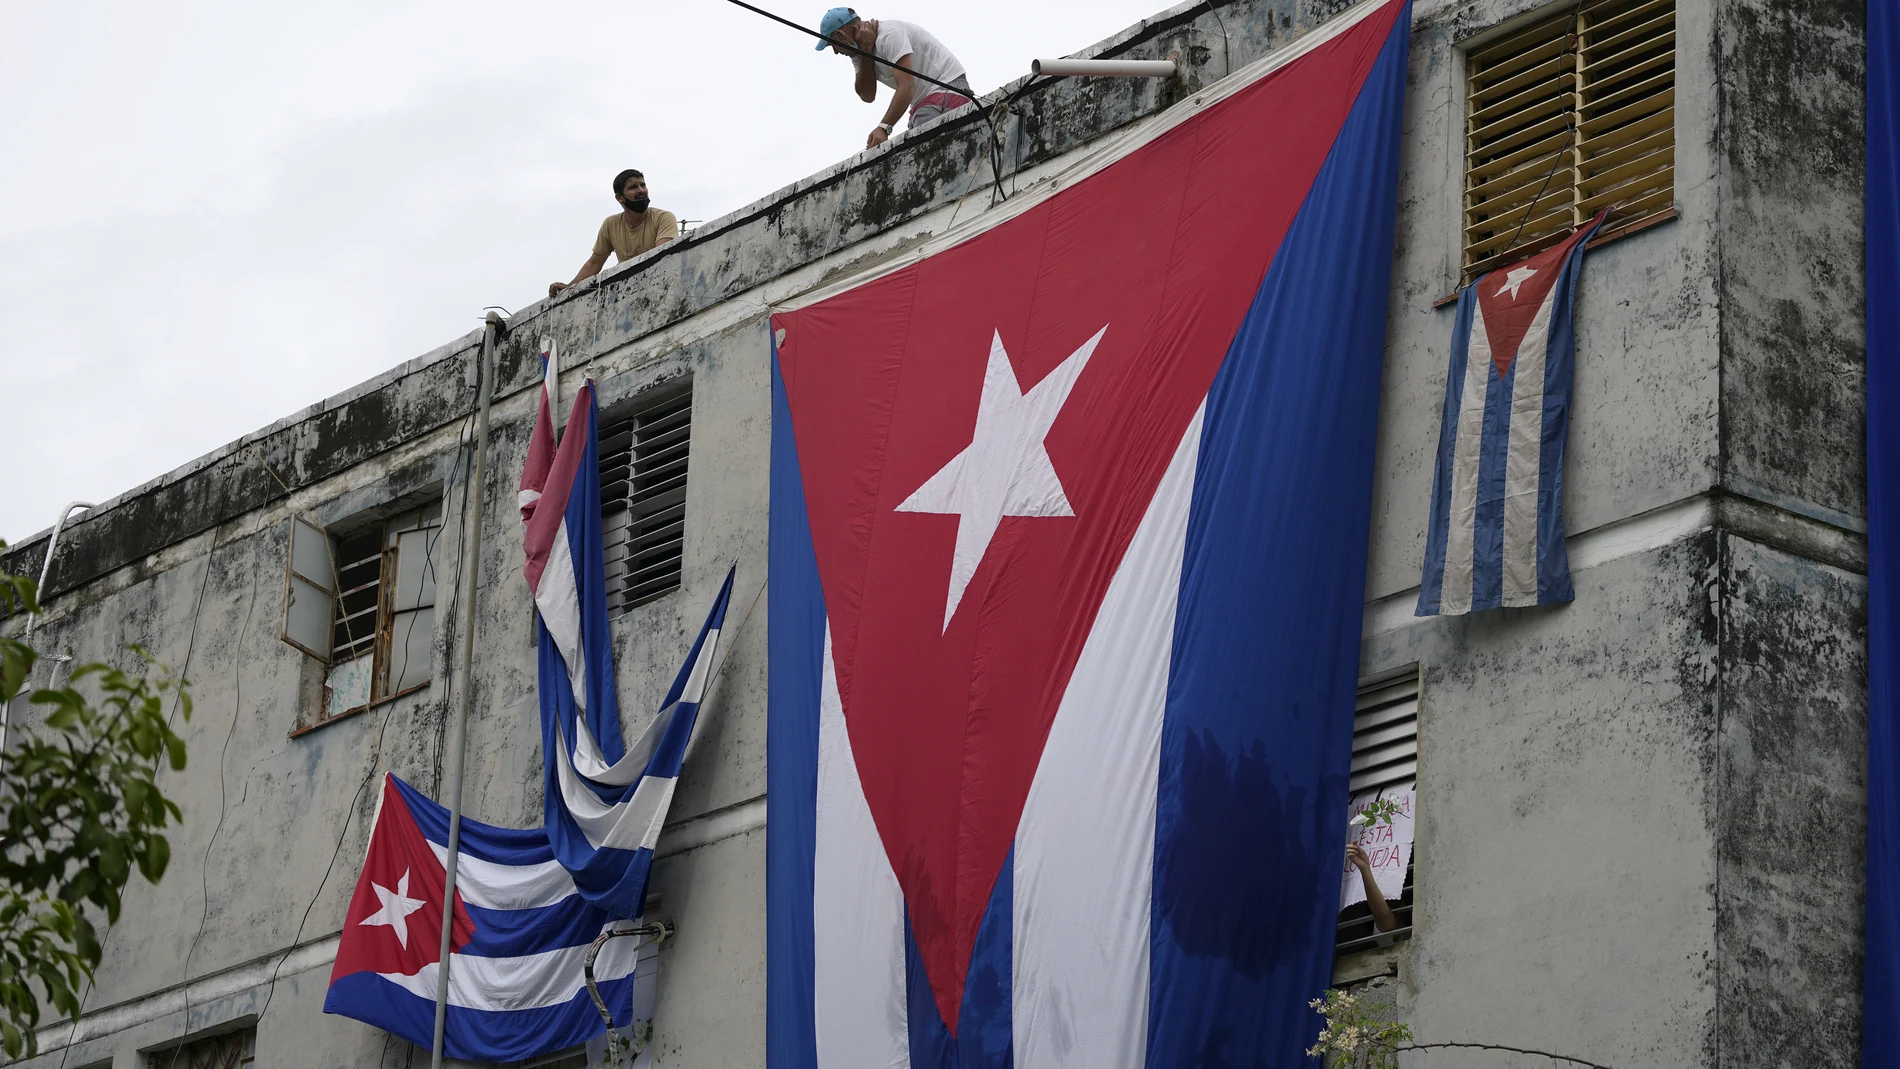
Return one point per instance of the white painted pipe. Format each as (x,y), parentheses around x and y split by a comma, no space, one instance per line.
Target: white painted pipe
(46,566)
(1106,68)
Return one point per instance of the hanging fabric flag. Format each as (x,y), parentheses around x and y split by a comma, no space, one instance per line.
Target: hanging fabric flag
(1069,517)
(1496,536)
(1880,1003)
(519,936)
(534,473)
(605,802)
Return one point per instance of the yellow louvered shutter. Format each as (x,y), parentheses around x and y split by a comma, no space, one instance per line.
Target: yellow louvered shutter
(1565,117)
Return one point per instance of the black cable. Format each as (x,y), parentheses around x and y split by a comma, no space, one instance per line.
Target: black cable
(462,465)
(809,32)
(204,870)
(382,732)
(1571,48)
(191,644)
(376,760)
(995,114)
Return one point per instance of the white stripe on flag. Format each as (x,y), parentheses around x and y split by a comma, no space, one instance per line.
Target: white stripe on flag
(1085,850)
(558,598)
(702,669)
(1460,544)
(587,757)
(530,982)
(489,885)
(1523,462)
(859,1013)
(626,825)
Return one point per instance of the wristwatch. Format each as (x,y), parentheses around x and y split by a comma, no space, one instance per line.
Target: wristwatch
(887,127)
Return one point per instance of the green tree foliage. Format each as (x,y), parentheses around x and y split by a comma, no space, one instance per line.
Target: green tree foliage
(82,809)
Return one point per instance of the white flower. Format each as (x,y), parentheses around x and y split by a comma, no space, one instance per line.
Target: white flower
(1360,820)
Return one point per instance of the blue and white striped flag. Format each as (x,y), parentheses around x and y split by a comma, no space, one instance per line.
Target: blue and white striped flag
(1497,530)
(520,934)
(605,802)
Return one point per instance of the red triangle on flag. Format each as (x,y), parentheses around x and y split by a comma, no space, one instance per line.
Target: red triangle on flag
(394,923)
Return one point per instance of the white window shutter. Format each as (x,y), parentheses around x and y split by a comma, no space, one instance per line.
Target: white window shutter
(310,593)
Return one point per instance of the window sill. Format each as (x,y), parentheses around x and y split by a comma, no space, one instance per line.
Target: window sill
(1371,957)
(348,713)
(1615,233)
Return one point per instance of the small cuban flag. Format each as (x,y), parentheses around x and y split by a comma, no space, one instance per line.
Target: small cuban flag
(1497,529)
(520,933)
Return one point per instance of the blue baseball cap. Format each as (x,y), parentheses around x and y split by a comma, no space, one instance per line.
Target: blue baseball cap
(833,20)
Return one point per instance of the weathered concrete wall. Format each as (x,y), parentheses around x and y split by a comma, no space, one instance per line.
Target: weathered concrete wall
(1792,162)
(1566,844)
(1597,875)
(1792,784)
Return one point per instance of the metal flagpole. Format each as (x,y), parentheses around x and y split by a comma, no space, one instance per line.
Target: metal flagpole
(471,565)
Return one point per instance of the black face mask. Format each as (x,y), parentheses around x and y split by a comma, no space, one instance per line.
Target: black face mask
(637,206)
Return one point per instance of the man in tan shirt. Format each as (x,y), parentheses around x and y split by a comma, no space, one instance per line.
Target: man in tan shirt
(627,233)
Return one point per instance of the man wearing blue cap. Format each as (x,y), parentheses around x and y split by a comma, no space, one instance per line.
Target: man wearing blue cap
(906,45)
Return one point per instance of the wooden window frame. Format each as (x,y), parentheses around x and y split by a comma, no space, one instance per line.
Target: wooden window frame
(1565,116)
(382,615)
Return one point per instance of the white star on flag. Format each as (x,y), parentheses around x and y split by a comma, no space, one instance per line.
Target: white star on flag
(397,905)
(1004,471)
(1517,277)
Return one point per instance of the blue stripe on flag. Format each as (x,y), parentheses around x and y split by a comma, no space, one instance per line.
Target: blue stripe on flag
(1494,453)
(794,667)
(517,933)
(1432,584)
(503,846)
(1560,358)
(479,1035)
(984,1021)
(1251,811)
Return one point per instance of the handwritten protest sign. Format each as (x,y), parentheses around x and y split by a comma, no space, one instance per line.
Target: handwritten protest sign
(1388,847)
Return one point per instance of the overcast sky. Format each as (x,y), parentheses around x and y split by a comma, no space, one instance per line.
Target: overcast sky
(218,213)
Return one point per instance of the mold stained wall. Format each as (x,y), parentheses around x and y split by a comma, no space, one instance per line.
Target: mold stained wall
(1584,886)
(1642,813)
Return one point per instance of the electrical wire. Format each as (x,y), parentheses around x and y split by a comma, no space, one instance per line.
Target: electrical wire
(460,466)
(375,762)
(809,32)
(191,643)
(376,755)
(994,116)
(1570,130)
(204,871)
(465,452)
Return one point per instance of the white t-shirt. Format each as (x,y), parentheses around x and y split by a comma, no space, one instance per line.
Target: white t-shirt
(928,56)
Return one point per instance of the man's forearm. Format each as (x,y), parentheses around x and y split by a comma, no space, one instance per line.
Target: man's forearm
(900,103)
(900,100)
(589,269)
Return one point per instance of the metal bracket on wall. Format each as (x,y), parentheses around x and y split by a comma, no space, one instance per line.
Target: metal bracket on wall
(620,1050)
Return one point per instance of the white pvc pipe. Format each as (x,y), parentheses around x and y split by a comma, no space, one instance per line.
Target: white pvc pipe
(1106,68)
(46,567)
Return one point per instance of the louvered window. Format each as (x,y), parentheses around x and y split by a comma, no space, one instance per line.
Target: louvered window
(1384,762)
(643,458)
(1566,117)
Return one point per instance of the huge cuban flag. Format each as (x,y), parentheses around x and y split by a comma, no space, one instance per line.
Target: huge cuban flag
(1068,536)
(605,802)
(521,931)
